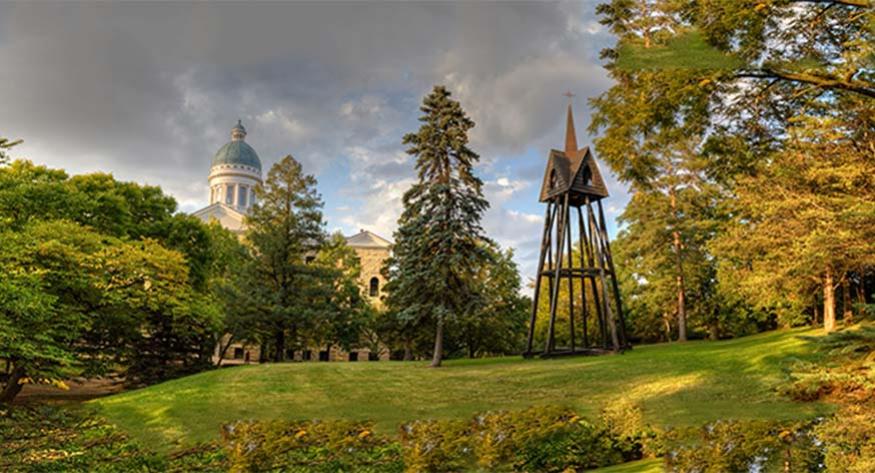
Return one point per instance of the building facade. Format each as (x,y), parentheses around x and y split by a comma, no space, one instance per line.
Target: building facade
(234,173)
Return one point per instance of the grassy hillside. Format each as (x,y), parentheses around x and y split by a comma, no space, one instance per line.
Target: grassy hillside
(674,384)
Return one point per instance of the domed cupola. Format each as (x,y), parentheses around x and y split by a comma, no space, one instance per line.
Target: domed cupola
(235,171)
(237,151)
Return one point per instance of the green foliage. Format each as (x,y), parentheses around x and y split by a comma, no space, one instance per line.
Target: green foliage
(744,446)
(123,282)
(849,439)
(51,439)
(759,137)
(49,278)
(844,372)
(685,51)
(309,446)
(5,145)
(440,246)
(284,228)
(805,216)
(498,326)
(438,446)
(549,439)
(345,313)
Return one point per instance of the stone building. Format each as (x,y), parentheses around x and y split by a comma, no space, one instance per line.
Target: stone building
(234,173)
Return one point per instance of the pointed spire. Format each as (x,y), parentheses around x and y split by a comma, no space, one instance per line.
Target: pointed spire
(570,136)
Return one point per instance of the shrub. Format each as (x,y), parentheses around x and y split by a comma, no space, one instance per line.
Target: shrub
(539,439)
(437,446)
(849,439)
(845,374)
(311,446)
(51,439)
(546,439)
(725,446)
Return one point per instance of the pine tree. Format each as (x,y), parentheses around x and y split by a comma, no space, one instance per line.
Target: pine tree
(285,227)
(440,244)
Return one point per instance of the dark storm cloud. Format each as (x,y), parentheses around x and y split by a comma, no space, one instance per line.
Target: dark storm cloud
(149,91)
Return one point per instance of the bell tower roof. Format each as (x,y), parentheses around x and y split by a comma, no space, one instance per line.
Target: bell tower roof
(572,170)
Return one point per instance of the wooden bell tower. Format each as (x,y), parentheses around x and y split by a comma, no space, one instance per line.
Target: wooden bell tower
(573,190)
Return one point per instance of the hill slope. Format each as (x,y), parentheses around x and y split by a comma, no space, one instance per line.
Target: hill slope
(674,384)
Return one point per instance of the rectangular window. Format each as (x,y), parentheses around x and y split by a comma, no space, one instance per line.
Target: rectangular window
(238,353)
(229,194)
(241,199)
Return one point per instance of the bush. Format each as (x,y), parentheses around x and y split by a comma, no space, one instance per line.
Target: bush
(845,374)
(437,446)
(542,439)
(849,439)
(539,439)
(50,439)
(311,446)
(546,439)
(725,446)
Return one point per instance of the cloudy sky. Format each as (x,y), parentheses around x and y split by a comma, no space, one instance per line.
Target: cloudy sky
(149,92)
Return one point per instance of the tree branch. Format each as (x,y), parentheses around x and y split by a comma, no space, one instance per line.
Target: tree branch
(856,86)
(849,3)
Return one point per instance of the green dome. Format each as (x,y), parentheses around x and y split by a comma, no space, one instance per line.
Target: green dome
(237,152)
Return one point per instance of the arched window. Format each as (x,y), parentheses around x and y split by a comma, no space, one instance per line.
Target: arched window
(374,289)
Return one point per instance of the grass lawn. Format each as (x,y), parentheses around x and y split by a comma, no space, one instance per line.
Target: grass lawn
(674,384)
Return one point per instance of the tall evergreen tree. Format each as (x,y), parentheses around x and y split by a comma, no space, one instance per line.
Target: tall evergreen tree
(285,228)
(440,245)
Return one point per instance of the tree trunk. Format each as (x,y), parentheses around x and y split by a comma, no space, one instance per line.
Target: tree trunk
(280,341)
(847,311)
(816,321)
(713,331)
(224,349)
(829,302)
(678,246)
(13,387)
(666,319)
(408,352)
(438,343)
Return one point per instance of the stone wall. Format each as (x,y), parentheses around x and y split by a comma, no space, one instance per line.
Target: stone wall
(372,260)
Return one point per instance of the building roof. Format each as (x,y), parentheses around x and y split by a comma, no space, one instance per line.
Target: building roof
(237,151)
(366,239)
(227,216)
(572,170)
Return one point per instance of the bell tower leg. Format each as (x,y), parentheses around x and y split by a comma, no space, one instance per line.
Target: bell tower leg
(545,247)
(550,343)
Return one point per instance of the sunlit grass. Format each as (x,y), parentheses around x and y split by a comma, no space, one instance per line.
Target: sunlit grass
(673,384)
